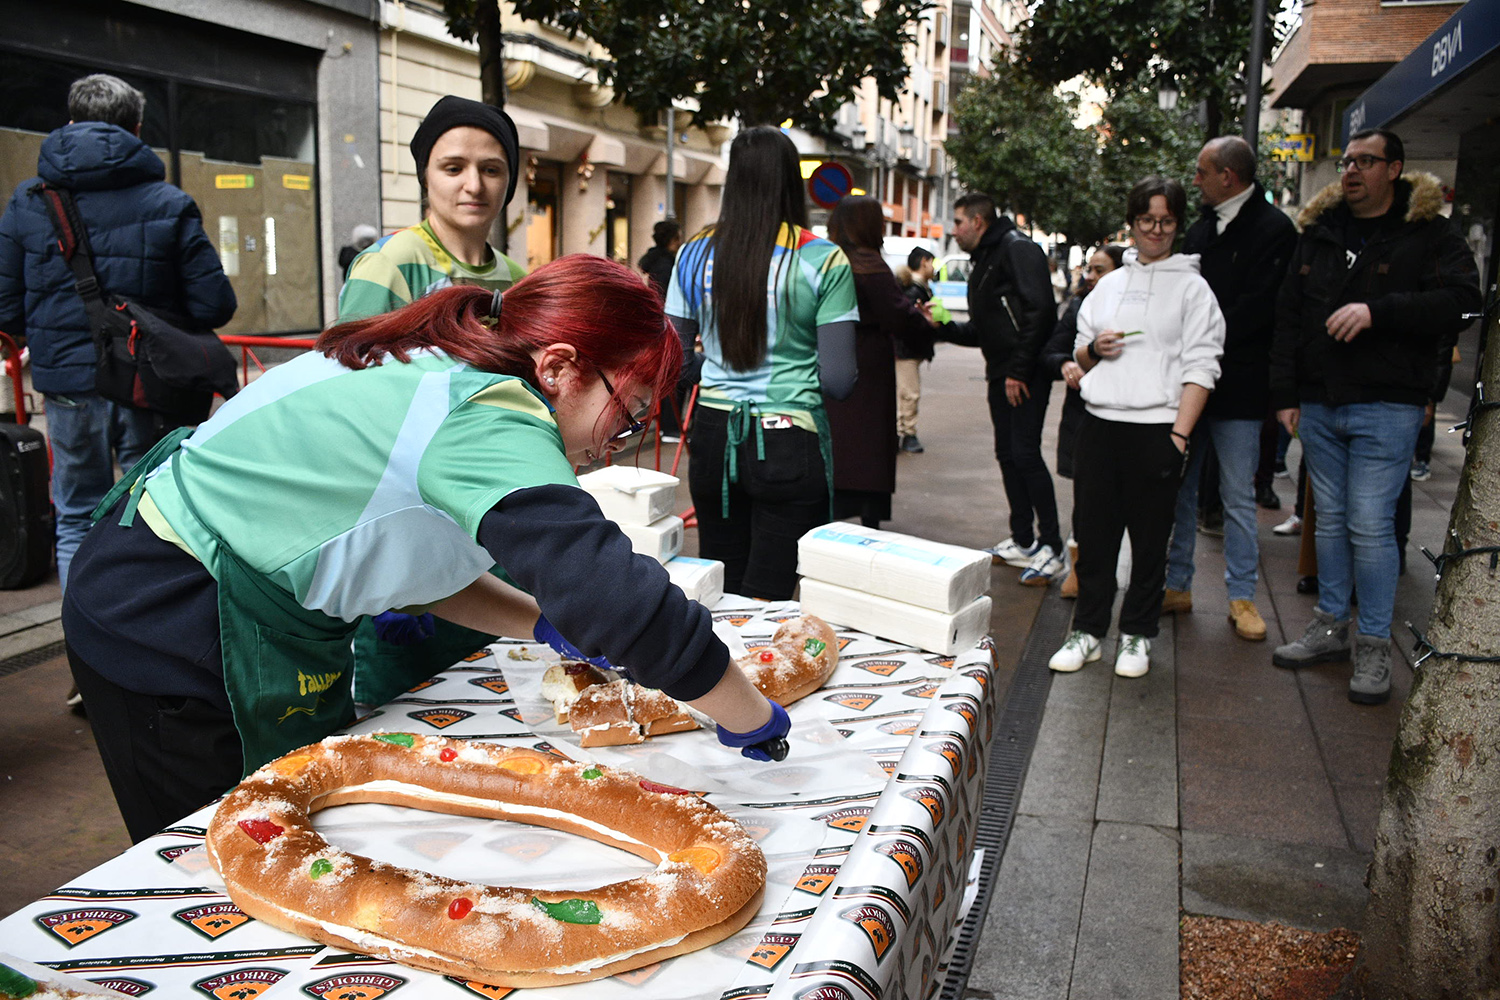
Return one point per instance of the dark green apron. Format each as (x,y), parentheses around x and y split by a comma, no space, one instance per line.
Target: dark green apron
(287,669)
(744,416)
(383,670)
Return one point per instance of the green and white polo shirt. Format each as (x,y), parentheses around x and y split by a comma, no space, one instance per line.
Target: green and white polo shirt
(808,285)
(400,268)
(360,491)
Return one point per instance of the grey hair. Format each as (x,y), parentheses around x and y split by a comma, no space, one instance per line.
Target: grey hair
(1230,152)
(105,98)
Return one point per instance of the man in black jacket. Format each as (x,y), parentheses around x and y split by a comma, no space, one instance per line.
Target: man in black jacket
(1011,313)
(1243,243)
(1374,296)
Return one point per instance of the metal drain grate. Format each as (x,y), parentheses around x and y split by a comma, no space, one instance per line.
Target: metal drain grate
(31,658)
(1010,755)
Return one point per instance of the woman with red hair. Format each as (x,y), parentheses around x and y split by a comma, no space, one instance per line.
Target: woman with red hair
(211,607)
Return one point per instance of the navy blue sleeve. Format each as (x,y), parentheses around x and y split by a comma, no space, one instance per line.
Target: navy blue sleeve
(206,293)
(12,281)
(606,599)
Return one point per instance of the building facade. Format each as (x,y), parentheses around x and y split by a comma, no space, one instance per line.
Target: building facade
(593,178)
(263,110)
(1337,50)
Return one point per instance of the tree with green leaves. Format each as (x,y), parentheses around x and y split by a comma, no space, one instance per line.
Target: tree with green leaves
(1017,140)
(766,61)
(1202,45)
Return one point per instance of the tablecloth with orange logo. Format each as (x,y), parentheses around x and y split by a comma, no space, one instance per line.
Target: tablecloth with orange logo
(868,874)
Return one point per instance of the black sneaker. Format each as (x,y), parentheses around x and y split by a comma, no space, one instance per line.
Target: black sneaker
(909,443)
(1267,498)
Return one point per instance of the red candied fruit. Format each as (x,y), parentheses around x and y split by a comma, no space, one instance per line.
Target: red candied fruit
(652,786)
(447,754)
(262,831)
(460,907)
(766,656)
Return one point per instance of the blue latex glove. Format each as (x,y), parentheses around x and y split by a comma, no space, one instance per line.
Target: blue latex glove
(403,630)
(766,743)
(546,632)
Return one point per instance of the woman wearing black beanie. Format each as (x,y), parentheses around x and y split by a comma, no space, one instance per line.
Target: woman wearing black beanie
(467,155)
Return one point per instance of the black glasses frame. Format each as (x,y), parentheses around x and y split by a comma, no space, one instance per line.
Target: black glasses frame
(633,426)
(1359,161)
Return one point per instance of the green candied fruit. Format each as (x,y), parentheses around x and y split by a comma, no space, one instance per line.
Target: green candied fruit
(812,647)
(570,911)
(400,739)
(319,868)
(17,985)
(593,773)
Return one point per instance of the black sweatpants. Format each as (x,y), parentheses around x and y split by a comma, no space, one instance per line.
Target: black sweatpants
(1018,449)
(772,503)
(165,755)
(1125,478)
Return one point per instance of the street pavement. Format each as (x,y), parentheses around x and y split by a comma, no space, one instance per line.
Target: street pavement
(1217,784)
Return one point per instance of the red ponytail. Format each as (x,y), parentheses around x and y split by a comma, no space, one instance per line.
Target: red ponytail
(600,308)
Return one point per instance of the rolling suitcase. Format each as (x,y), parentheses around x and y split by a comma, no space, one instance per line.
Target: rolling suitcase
(25,507)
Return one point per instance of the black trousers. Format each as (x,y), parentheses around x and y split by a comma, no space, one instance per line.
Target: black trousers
(1018,449)
(165,755)
(773,503)
(1125,479)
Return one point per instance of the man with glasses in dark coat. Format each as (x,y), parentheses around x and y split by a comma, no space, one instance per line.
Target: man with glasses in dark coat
(1374,298)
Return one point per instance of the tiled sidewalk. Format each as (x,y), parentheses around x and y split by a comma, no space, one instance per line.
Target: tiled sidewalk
(1218,784)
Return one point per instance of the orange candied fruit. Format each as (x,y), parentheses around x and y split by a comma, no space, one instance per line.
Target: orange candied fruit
(288,766)
(705,859)
(523,765)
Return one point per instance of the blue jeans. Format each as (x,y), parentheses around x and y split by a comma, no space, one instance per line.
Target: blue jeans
(1237,443)
(88,433)
(1358,455)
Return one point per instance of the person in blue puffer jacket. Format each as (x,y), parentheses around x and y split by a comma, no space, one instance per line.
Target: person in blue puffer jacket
(149,246)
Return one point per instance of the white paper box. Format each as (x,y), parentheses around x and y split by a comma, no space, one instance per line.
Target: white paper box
(701,579)
(901,567)
(908,624)
(661,541)
(629,495)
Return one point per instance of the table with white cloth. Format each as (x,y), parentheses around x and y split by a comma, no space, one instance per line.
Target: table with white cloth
(868,828)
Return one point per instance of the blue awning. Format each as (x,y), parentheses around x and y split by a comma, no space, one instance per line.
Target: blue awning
(1464,41)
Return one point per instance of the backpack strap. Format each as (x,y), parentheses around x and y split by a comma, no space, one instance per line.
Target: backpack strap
(73,241)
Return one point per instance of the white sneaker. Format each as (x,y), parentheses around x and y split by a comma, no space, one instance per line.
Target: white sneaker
(1134,658)
(1011,554)
(1291,526)
(1079,648)
(1043,567)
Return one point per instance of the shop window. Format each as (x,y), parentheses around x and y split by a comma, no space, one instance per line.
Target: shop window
(617,218)
(543,225)
(248,160)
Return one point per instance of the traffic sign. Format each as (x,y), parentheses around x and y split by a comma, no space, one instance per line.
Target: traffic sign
(830,182)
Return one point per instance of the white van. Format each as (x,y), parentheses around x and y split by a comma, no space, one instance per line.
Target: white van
(951,287)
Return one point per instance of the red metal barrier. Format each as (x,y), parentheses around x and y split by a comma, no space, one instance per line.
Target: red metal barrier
(13,369)
(245,343)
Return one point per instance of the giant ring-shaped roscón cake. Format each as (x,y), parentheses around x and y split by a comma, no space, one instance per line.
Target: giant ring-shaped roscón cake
(708,882)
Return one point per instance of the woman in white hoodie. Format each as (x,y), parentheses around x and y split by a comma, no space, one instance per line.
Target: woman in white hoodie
(1149,340)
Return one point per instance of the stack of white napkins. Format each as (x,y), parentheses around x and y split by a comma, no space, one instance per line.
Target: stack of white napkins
(899,587)
(640,502)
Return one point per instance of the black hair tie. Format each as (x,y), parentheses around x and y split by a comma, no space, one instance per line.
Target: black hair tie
(495,302)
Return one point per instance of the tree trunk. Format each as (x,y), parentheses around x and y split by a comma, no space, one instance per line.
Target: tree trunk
(1432,927)
(491,52)
(492,87)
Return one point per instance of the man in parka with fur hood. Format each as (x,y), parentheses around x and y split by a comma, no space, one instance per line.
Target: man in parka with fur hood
(1373,299)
